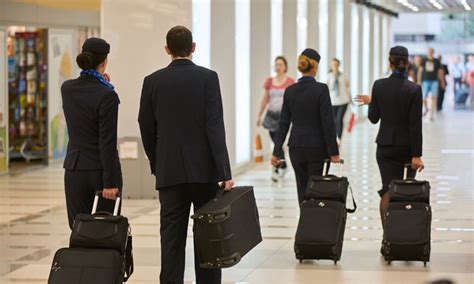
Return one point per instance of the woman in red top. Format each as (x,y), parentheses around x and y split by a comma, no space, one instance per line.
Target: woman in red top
(272,101)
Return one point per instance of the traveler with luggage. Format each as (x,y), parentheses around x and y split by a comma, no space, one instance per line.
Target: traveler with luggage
(430,74)
(272,101)
(182,128)
(397,104)
(307,106)
(91,110)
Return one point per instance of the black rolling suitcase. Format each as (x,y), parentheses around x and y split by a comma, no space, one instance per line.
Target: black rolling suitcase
(323,214)
(407,232)
(100,245)
(226,228)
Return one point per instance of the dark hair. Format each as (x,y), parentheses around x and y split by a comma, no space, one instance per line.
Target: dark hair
(180,41)
(88,60)
(400,62)
(282,58)
(337,60)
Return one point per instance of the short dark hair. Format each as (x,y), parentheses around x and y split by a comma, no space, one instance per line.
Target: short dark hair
(282,58)
(400,62)
(179,41)
(337,60)
(88,60)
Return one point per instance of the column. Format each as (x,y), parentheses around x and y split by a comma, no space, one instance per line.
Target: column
(371,53)
(313,23)
(332,30)
(3,102)
(223,62)
(347,59)
(323,40)
(260,62)
(360,49)
(136,31)
(289,35)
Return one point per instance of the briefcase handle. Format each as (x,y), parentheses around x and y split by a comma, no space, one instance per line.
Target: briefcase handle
(327,162)
(405,172)
(98,193)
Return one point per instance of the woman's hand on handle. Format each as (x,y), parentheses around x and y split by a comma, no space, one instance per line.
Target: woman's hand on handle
(363,99)
(336,159)
(110,193)
(227,185)
(417,164)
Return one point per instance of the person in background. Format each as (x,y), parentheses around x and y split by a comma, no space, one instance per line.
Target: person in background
(417,61)
(442,84)
(90,106)
(307,107)
(397,104)
(340,95)
(429,75)
(458,72)
(272,101)
(471,86)
(182,126)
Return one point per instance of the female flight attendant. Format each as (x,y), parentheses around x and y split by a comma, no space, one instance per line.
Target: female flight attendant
(91,108)
(273,101)
(307,106)
(397,103)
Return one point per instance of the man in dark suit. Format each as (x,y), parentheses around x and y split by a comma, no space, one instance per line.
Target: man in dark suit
(182,128)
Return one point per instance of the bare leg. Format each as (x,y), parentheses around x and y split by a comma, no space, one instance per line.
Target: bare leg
(434,102)
(425,104)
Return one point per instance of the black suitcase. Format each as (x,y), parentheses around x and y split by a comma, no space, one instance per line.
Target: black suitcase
(226,228)
(323,214)
(320,232)
(407,231)
(87,266)
(103,235)
(409,189)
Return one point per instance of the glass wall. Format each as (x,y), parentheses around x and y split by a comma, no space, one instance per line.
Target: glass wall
(242,79)
(202,32)
(302,26)
(323,39)
(276,30)
(354,50)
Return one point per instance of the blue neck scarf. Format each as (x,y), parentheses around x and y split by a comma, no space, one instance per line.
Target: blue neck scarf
(306,78)
(403,74)
(98,76)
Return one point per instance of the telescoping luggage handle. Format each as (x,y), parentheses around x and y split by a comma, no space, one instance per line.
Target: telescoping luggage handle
(326,168)
(96,202)
(405,172)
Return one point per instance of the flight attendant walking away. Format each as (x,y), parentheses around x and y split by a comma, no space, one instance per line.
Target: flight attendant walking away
(307,107)
(90,106)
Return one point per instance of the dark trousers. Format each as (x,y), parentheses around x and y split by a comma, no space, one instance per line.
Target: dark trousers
(273,136)
(306,162)
(391,161)
(80,188)
(441,92)
(175,204)
(339,112)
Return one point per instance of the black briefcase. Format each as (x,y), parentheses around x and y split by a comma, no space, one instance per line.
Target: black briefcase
(226,228)
(87,266)
(409,189)
(320,232)
(407,232)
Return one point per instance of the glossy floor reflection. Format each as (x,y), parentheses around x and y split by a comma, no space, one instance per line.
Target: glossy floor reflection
(33,221)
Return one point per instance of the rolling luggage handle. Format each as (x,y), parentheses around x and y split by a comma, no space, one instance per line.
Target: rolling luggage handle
(96,202)
(326,168)
(405,172)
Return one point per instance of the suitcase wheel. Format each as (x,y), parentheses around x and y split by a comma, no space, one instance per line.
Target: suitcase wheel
(424,263)
(301,260)
(335,262)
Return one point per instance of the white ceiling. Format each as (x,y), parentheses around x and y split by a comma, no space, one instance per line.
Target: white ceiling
(450,6)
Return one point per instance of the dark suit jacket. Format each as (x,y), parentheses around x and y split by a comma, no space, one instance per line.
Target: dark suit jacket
(397,103)
(91,111)
(307,106)
(182,125)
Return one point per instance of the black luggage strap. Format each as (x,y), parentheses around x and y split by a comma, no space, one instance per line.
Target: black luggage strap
(354,204)
(129,266)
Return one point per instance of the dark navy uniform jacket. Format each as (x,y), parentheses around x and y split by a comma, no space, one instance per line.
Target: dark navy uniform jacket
(91,111)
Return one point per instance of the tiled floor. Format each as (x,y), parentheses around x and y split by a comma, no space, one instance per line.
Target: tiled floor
(33,220)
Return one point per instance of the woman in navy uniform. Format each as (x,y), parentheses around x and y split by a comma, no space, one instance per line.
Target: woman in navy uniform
(307,105)
(397,103)
(91,109)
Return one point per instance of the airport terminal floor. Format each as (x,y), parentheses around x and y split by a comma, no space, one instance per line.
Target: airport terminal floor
(33,222)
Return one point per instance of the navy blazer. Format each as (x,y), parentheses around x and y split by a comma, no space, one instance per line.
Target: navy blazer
(397,103)
(182,125)
(91,112)
(307,106)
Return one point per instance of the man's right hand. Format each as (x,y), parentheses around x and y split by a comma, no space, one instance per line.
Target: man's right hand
(363,99)
(336,159)
(110,193)
(417,164)
(227,185)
